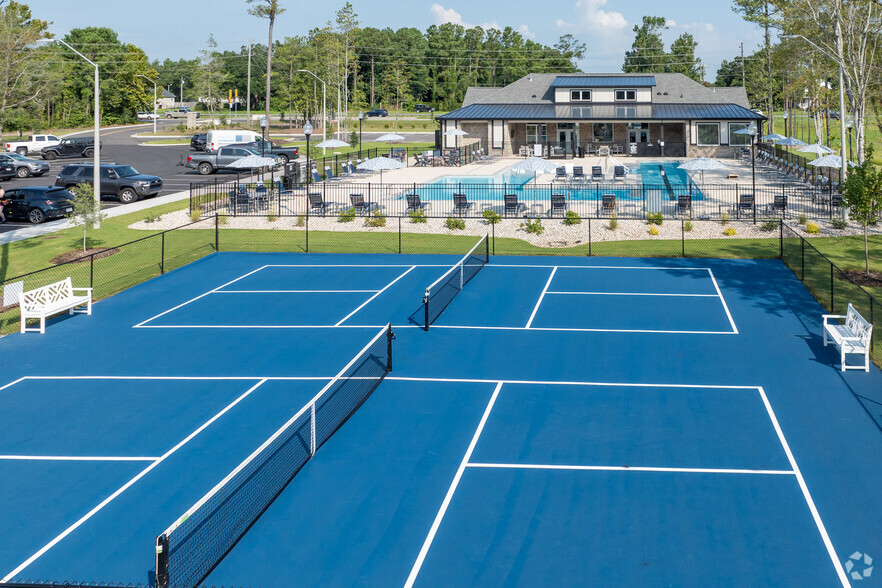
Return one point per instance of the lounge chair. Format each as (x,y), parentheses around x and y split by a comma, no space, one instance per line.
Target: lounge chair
(684,204)
(745,206)
(578,174)
(461,205)
(483,154)
(619,173)
(560,174)
(414,203)
(558,204)
(607,204)
(317,204)
(361,207)
(596,173)
(779,205)
(329,175)
(315,176)
(512,206)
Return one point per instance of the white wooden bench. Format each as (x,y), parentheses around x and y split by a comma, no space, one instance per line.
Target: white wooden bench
(851,337)
(52,299)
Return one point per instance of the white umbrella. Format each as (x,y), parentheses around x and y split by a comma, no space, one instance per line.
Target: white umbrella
(791,142)
(817,149)
(773,137)
(533,165)
(253,162)
(833,161)
(455,133)
(390,137)
(379,164)
(700,164)
(332,144)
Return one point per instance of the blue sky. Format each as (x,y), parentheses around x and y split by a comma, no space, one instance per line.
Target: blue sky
(170,30)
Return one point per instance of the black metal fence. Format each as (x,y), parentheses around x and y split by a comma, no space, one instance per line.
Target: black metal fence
(406,155)
(586,199)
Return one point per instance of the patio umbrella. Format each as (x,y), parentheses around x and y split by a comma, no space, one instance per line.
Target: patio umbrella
(380,164)
(390,137)
(332,144)
(254,162)
(455,133)
(773,137)
(700,164)
(791,142)
(817,149)
(833,161)
(533,165)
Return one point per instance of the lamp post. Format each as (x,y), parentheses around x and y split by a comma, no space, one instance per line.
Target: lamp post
(360,120)
(307,130)
(324,105)
(786,116)
(842,148)
(154,99)
(752,131)
(849,124)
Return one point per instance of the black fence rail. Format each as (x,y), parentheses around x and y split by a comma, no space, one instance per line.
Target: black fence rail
(782,160)
(454,156)
(586,199)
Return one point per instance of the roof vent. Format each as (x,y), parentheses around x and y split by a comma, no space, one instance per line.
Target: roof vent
(534,95)
(658,94)
(530,78)
(666,93)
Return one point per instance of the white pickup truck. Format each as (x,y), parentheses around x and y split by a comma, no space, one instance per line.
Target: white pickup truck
(34,144)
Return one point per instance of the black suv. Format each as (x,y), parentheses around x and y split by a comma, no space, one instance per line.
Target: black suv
(198,141)
(423,108)
(38,203)
(7,170)
(71,147)
(377,112)
(122,181)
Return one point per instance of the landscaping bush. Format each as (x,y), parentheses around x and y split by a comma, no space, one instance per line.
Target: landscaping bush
(491,216)
(812,228)
(730,232)
(572,219)
(417,216)
(346,216)
(375,220)
(688,226)
(654,218)
(653,230)
(533,226)
(455,224)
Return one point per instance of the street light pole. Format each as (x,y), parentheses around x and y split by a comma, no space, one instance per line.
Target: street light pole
(360,120)
(307,130)
(154,100)
(842,147)
(324,105)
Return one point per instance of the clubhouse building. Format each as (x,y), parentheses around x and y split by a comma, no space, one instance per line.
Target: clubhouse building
(573,115)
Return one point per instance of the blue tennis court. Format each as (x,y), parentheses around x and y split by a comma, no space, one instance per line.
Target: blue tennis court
(564,421)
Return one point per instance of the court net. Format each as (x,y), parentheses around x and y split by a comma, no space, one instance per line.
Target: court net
(441,293)
(191,548)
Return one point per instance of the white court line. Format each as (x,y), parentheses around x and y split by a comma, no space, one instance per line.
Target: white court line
(229,378)
(72,458)
(13,383)
(624,267)
(568,383)
(366,302)
(294,291)
(521,466)
(198,297)
(125,487)
(831,551)
(414,572)
(723,300)
(636,294)
(464,327)
(541,296)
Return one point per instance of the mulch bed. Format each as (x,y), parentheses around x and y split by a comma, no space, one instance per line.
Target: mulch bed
(80,256)
(860,277)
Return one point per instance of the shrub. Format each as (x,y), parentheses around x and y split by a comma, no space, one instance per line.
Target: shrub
(730,231)
(812,228)
(534,226)
(839,224)
(802,219)
(378,219)
(653,230)
(492,216)
(654,218)
(195,213)
(222,219)
(346,216)
(613,222)
(769,225)
(572,219)
(417,216)
(724,218)
(301,221)
(455,224)
(272,217)
(688,226)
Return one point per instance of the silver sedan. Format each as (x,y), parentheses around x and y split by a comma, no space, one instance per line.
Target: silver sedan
(25,166)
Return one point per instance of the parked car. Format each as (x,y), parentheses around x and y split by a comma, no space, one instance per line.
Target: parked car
(122,181)
(267,148)
(377,112)
(144,115)
(180,113)
(38,203)
(198,141)
(25,166)
(834,114)
(223,159)
(34,144)
(423,108)
(214,140)
(7,170)
(71,147)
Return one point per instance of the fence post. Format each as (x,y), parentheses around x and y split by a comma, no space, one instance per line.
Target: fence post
(307,228)
(832,307)
(162,255)
(682,238)
(216,232)
(871,319)
(92,271)
(781,239)
(493,233)
(399,234)
(802,242)
(589,237)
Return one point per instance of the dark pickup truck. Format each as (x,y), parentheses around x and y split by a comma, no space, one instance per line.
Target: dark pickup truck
(223,159)
(285,154)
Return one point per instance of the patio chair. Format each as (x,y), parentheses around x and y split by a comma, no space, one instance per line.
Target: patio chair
(560,174)
(596,173)
(684,204)
(512,206)
(361,207)
(579,174)
(779,204)
(329,175)
(451,158)
(240,200)
(461,205)
(745,206)
(315,176)
(414,203)
(317,203)
(619,173)
(558,205)
(421,160)
(261,197)
(607,204)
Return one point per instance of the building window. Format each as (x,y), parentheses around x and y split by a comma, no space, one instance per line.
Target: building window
(708,134)
(536,134)
(626,95)
(626,112)
(602,132)
(580,96)
(736,139)
(582,112)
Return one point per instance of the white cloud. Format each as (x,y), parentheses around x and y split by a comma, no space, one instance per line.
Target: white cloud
(443,15)
(590,15)
(704,27)
(671,23)
(526,32)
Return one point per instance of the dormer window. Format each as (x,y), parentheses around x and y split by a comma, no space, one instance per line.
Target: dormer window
(580,96)
(626,95)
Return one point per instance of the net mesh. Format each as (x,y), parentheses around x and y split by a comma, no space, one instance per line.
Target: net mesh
(192,547)
(441,293)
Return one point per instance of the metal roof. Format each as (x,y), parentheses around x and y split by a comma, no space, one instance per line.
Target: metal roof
(603,82)
(610,112)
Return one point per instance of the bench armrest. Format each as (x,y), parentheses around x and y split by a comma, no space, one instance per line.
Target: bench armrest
(827,317)
(89,290)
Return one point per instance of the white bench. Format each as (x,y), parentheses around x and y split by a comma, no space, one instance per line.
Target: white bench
(851,337)
(52,299)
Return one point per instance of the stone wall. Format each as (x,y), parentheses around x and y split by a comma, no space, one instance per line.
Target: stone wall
(718,152)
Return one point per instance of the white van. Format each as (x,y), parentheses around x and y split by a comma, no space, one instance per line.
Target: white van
(216,139)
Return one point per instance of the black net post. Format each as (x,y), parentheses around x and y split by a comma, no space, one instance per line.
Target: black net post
(162,578)
(426,309)
(487,248)
(389,336)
